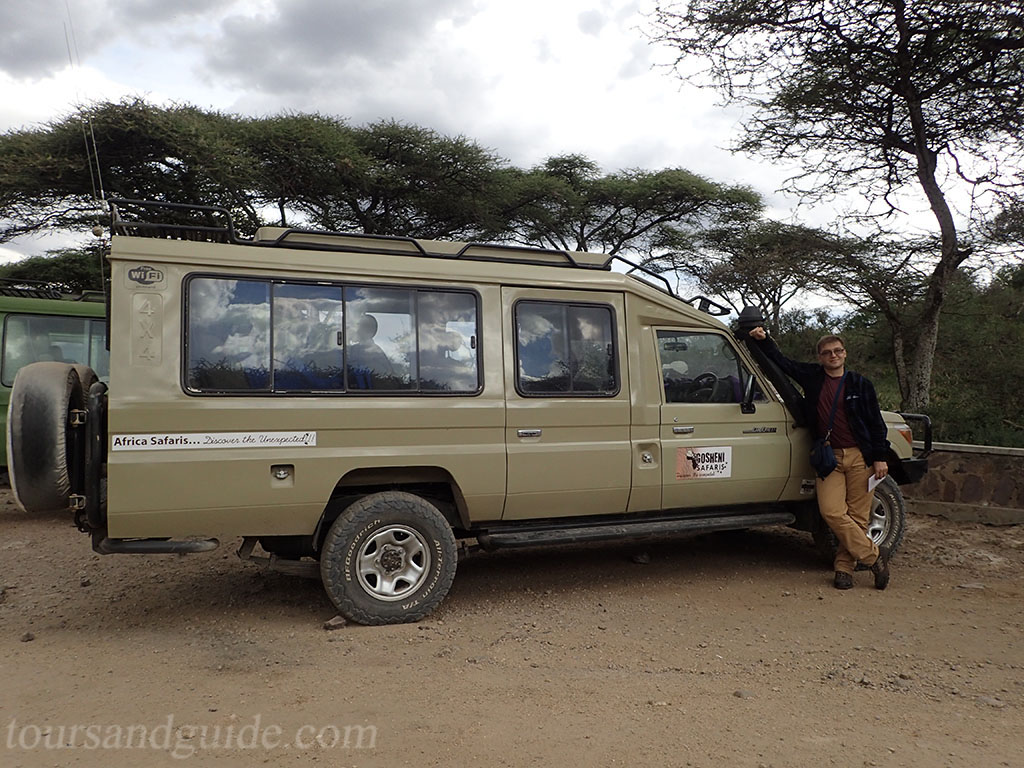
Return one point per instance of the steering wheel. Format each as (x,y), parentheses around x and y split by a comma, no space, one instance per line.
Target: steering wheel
(702,388)
(705,381)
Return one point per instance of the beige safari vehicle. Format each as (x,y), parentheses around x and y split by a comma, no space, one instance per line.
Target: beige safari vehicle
(367,410)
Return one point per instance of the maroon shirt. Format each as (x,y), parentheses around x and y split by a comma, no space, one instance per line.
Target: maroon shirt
(842,435)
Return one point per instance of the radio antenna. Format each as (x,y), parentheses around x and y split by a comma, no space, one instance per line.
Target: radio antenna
(92,157)
(92,154)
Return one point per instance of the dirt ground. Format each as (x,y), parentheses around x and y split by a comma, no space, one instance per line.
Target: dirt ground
(715,650)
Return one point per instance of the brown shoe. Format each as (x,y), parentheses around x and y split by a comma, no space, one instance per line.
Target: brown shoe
(843,580)
(881,568)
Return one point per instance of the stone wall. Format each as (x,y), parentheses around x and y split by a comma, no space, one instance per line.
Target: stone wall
(971,482)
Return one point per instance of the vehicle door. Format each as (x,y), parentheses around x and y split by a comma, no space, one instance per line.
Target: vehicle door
(567,407)
(715,455)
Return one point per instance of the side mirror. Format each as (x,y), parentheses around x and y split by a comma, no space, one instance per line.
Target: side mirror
(747,404)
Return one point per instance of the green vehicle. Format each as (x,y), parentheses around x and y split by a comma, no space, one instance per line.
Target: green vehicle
(40,323)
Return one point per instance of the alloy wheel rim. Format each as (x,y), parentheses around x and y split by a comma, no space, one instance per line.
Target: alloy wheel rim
(879,521)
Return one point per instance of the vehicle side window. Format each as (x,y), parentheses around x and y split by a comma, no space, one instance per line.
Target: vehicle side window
(447,342)
(228,335)
(380,339)
(701,368)
(565,349)
(307,338)
(37,338)
(276,336)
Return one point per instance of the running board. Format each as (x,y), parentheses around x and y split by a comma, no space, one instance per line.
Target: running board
(512,539)
(106,546)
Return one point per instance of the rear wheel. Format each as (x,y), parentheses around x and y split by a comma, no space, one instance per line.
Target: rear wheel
(389,558)
(39,433)
(887,523)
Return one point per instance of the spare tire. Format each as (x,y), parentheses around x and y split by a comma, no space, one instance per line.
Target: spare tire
(39,433)
(86,377)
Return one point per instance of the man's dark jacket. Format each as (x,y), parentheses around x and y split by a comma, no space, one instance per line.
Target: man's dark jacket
(859,399)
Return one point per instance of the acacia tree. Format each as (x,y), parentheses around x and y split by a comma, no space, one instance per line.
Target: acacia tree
(878,96)
(763,263)
(566,203)
(1007,226)
(300,162)
(72,270)
(884,276)
(416,182)
(51,176)
(383,178)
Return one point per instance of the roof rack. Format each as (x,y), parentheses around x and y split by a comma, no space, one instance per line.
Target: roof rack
(187,230)
(90,296)
(310,239)
(295,237)
(30,289)
(702,303)
(707,306)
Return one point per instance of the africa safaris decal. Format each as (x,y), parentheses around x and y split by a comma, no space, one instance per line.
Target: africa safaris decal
(704,462)
(193,440)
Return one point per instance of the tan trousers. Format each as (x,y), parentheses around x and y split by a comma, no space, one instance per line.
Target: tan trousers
(845,505)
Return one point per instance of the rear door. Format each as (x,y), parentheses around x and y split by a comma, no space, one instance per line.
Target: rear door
(567,429)
(713,454)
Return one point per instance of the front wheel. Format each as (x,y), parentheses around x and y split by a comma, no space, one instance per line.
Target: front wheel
(388,559)
(887,523)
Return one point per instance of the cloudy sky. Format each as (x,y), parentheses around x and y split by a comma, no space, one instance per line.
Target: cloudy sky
(526,78)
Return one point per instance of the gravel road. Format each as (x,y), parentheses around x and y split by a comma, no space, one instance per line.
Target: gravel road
(716,650)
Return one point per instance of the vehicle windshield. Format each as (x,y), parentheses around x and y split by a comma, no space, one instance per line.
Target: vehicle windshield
(37,338)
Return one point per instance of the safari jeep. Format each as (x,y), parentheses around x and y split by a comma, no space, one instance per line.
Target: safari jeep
(369,409)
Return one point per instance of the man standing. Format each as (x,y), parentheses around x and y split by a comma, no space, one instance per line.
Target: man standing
(858,439)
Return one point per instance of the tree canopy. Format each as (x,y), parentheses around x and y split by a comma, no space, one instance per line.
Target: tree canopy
(884,97)
(72,270)
(318,171)
(173,154)
(758,262)
(567,203)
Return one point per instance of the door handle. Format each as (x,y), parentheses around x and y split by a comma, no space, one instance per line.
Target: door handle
(682,430)
(528,432)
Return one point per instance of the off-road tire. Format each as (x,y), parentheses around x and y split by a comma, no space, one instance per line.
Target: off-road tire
(39,433)
(86,378)
(397,525)
(886,526)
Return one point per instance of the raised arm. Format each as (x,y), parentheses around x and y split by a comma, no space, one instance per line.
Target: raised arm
(801,372)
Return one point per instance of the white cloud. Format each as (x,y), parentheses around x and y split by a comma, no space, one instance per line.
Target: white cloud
(33,102)
(528,79)
(591,22)
(7,255)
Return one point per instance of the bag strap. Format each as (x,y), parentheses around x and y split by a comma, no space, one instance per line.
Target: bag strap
(835,404)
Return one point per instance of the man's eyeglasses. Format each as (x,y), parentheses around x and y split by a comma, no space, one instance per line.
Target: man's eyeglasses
(832,352)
